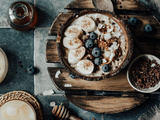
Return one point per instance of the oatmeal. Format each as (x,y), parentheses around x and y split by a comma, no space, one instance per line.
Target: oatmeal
(96,39)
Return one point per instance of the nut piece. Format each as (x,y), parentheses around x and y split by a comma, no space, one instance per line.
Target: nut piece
(145,73)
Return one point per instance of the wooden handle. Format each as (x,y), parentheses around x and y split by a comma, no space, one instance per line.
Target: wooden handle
(73,118)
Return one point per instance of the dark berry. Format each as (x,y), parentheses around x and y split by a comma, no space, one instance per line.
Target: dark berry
(148,28)
(93,36)
(132,21)
(89,43)
(96,52)
(98,61)
(72,76)
(30,70)
(105,67)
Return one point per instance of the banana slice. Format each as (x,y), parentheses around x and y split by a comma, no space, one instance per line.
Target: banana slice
(85,67)
(76,55)
(86,23)
(72,43)
(73,31)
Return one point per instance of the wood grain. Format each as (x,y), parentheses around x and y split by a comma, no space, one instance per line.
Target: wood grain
(58,22)
(105,104)
(51,52)
(80,4)
(115,83)
(118,5)
(129,5)
(138,31)
(112,84)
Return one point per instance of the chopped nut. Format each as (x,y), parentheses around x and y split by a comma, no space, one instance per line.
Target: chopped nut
(52,104)
(57,74)
(145,73)
(48,92)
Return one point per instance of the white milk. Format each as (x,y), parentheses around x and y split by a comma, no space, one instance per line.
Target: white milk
(3,65)
(17,110)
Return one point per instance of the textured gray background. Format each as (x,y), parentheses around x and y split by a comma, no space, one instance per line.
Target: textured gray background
(28,48)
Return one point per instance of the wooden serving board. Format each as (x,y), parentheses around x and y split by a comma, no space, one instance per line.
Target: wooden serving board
(78,91)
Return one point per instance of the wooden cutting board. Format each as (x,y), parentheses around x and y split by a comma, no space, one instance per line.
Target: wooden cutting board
(115,94)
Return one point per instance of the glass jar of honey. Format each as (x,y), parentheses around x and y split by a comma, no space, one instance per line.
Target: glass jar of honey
(22,16)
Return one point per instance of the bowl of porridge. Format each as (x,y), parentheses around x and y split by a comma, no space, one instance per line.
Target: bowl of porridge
(94,45)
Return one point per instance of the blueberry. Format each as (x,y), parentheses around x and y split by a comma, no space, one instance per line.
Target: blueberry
(30,70)
(93,36)
(105,67)
(132,21)
(72,76)
(89,43)
(96,52)
(98,61)
(148,28)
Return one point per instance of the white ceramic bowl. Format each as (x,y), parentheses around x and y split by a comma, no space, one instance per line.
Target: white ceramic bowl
(147,90)
(3,58)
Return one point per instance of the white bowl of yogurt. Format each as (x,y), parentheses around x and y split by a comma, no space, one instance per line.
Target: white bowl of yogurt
(3,65)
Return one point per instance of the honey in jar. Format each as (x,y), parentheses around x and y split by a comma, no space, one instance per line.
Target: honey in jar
(22,16)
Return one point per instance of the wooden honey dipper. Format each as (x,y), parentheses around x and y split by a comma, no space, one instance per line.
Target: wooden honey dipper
(60,112)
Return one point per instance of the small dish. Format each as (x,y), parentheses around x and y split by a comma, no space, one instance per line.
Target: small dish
(17,109)
(3,65)
(25,97)
(133,84)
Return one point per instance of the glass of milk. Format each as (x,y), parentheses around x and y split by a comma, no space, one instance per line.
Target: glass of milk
(3,65)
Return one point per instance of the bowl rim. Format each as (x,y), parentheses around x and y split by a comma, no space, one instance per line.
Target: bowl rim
(118,20)
(6,65)
(128,72)
(34,111)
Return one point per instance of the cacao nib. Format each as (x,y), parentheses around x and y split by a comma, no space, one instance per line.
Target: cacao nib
(144,74)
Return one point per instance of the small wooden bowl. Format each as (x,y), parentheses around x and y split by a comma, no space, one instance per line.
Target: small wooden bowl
(61,52)
(6,65)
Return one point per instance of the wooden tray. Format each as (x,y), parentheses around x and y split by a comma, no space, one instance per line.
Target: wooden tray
(116,95)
